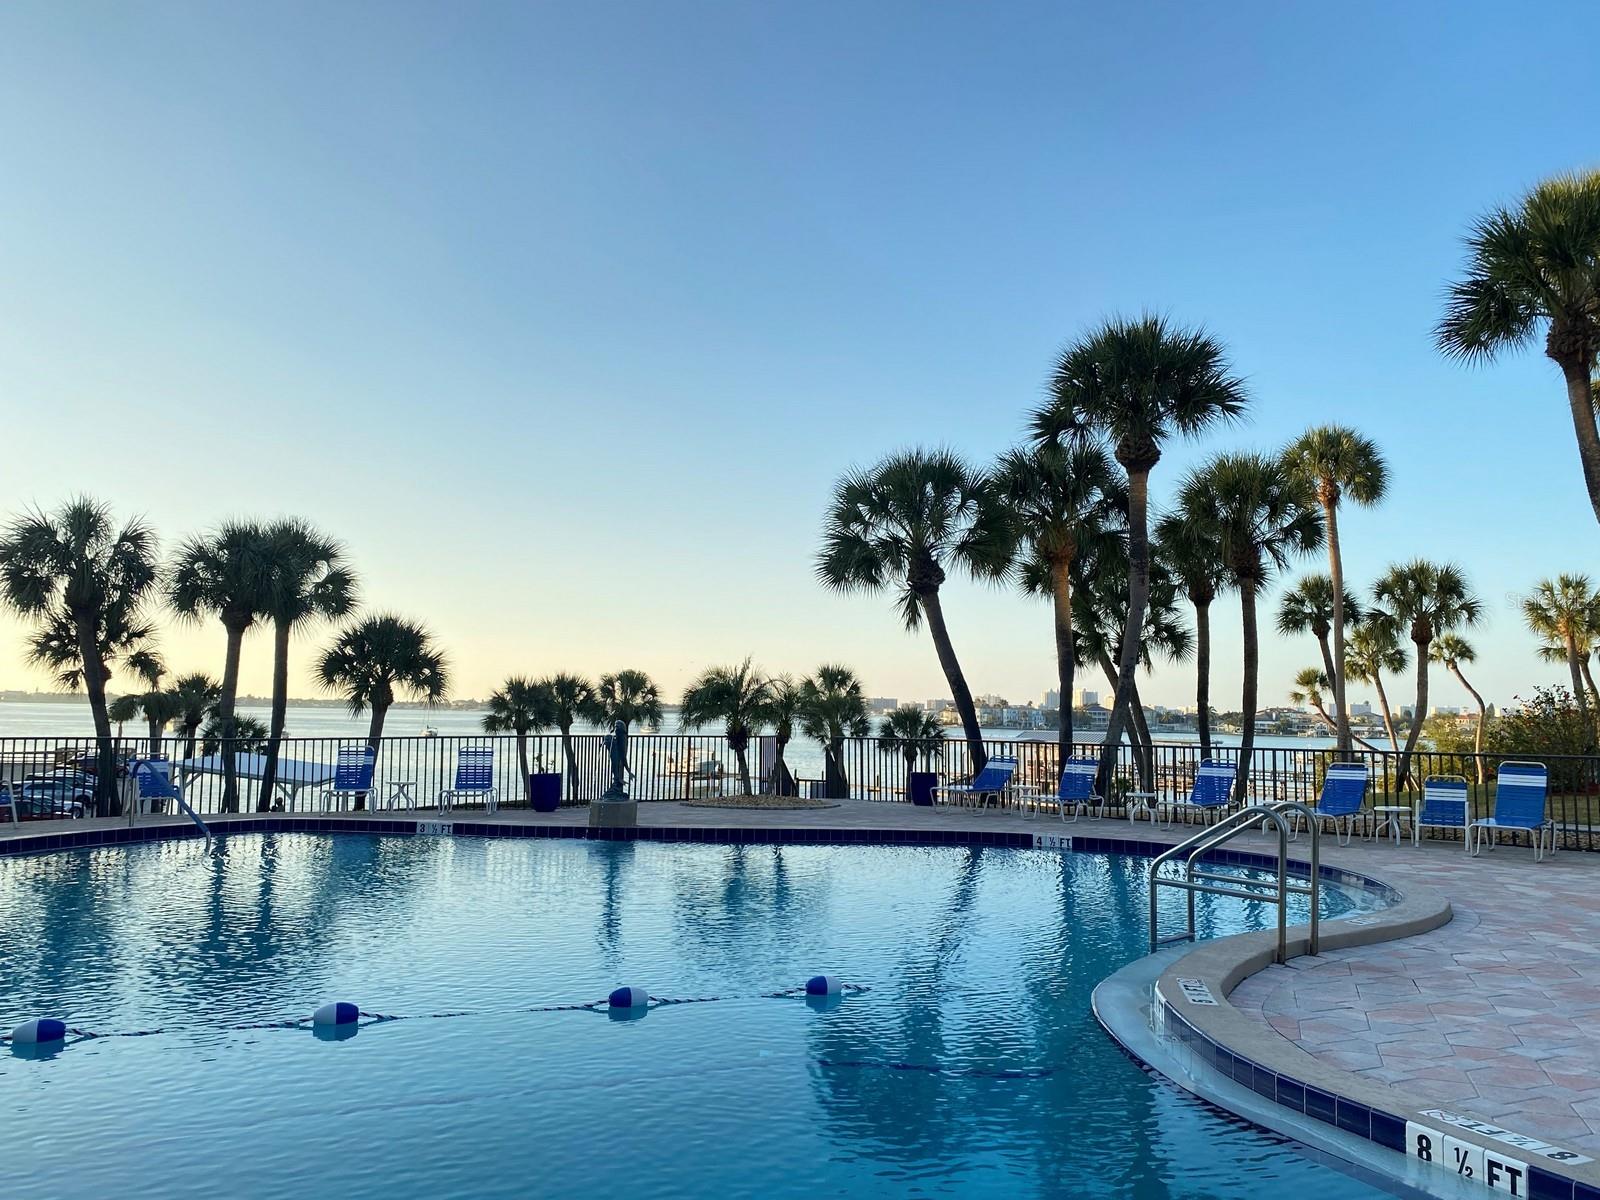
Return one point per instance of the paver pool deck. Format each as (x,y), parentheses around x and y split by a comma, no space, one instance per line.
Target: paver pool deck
(1495,1015)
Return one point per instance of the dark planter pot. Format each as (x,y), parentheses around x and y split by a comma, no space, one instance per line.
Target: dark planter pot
(919,787)
(544,791)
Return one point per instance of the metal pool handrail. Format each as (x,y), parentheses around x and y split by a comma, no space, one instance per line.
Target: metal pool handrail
(1214,883)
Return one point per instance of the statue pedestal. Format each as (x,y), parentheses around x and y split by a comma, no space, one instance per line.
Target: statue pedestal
(613,814)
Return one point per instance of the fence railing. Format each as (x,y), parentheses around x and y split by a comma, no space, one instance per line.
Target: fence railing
(55,776)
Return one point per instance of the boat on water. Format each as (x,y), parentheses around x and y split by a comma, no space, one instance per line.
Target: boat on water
(428,731)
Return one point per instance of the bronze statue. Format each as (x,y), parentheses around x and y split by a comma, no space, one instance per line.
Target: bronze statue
(617,746)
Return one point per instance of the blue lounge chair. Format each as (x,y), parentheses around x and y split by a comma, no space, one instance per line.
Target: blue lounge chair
(1520,792)
(8,800)
(157,793)
(352,776)
(1344,791)
(1077,791)
(1213,789)
(474,779)
(1446,804)
(988,784)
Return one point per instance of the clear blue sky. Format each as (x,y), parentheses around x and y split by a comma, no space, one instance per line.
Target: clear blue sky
(566,316)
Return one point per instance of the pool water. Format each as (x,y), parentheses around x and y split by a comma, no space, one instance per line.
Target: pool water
(972,1066)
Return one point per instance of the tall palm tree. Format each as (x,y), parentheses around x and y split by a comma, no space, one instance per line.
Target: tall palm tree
(1338,463)
(1136,383)
(911,733)
(1100,614)
(1058,499)
(308,581)
(1452,650)
(1375,648)
(1535,267)
(85,582)
(783,710)
(225,574)
(1565,612)
(378,659)
(1194,559)
(1310,606)
(1261,518)
(738,696)
(629,697)
(1427,599)
(1310,685)
(196,695)
(901,524)
(520,706)
(571,699)
(833,706)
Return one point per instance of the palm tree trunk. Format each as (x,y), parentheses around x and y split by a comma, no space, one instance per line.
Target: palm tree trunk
(107,803)
(837,783)
(1575,663)
(1327,662)
(1483,716)
(741,755)
(280,709)
(1417,715)
(522,765)
(225,730)
(571,760)
(154,750)
(1588,679)
(1341,709)
(1202,675)
(1252,673)
(1138,599)
(1145,746)
(960,694)
(1576,369)
(1388,715)
(380,713)
(783,783)
(190,733)
(1061,591)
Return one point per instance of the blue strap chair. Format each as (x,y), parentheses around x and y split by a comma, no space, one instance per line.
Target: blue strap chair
(1078,790)
(157,791)
(1344,791)
(1520,794)
(988,784)
(8,800)
(474,779)
(1446,804)
(1213,789)
(352,776)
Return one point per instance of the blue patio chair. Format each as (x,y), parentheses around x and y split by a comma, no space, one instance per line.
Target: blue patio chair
(9,800)
(153,779)
(1213,789)
(352,776)
(1446,804)
(989,783)
(1078,791)
(1344,791)
(474,779)
(1520,792)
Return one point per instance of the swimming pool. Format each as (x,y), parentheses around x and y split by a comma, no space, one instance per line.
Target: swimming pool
(971,1067)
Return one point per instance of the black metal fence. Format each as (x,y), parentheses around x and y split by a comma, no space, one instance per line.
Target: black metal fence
(53,777)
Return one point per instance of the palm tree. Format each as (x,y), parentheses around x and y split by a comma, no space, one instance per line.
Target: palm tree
(1310,685)
(1194,559)
(900,524)
(1375,648)
(832,708)
(248,734)
(377,659)
(1452,650)
(308,581)
(1136,383)
(159,708)
(1530,268)
(1337,462)
(1565,612)
(85,582)
(1058,499)
(783,709)
(196,695)
(1428,599)
(124,709)
(1310,606)
(224,573)
(911,733)
(520,706)
(627,696)
(739,696)
(1260,518)
(1100,614)
(571,699)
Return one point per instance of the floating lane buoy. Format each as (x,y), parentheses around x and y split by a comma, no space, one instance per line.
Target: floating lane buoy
(337,1013)
(629,997)
(38,1032)
(823,985)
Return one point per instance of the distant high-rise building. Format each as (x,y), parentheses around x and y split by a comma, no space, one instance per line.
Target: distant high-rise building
(935,706)
(1361,710)
(1052,699)
(882,704)
(1085,698)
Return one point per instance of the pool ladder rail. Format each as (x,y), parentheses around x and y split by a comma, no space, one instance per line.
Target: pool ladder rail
(183,806)
(1195,879)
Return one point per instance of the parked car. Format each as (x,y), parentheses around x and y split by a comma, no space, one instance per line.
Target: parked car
(51,797)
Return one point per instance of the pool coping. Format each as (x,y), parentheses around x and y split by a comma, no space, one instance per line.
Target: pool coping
(1214,1031)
